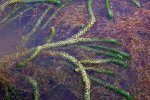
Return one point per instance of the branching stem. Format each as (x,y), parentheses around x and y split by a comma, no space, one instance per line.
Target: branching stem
(81,70)
(90,24)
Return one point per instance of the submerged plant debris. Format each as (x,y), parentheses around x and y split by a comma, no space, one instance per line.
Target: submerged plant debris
(74,49)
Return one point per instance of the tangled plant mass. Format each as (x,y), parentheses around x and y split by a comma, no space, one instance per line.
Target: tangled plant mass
(94,45)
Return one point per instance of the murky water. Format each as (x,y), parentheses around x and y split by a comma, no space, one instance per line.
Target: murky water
(130,25)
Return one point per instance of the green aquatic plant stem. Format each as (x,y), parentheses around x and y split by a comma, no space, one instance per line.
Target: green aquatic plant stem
(9,2)
(103,61)
(2,6)
(70,41)
(136,2)
(55,1)
(98,70)
(11,91)
(41,1)
(33,56)
(98,52)
(55,13)
(81,70)
(113,88)
(109,11)
(25,10)
(35,87)
(115,51)
(90,23)
(39,21)
(8,97)
(15,93)
(9,15)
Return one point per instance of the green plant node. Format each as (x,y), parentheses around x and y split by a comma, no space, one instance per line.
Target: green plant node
(39,21)
(21,64)
(52,34)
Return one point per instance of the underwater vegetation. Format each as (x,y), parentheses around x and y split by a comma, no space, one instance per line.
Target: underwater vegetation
(83,66)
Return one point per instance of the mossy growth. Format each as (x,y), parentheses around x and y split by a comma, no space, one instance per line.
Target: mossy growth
(114,56)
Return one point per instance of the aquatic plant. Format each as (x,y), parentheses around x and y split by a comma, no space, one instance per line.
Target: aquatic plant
(113,55)
(110,12)
(10,2)
(34,84)
(11,92)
